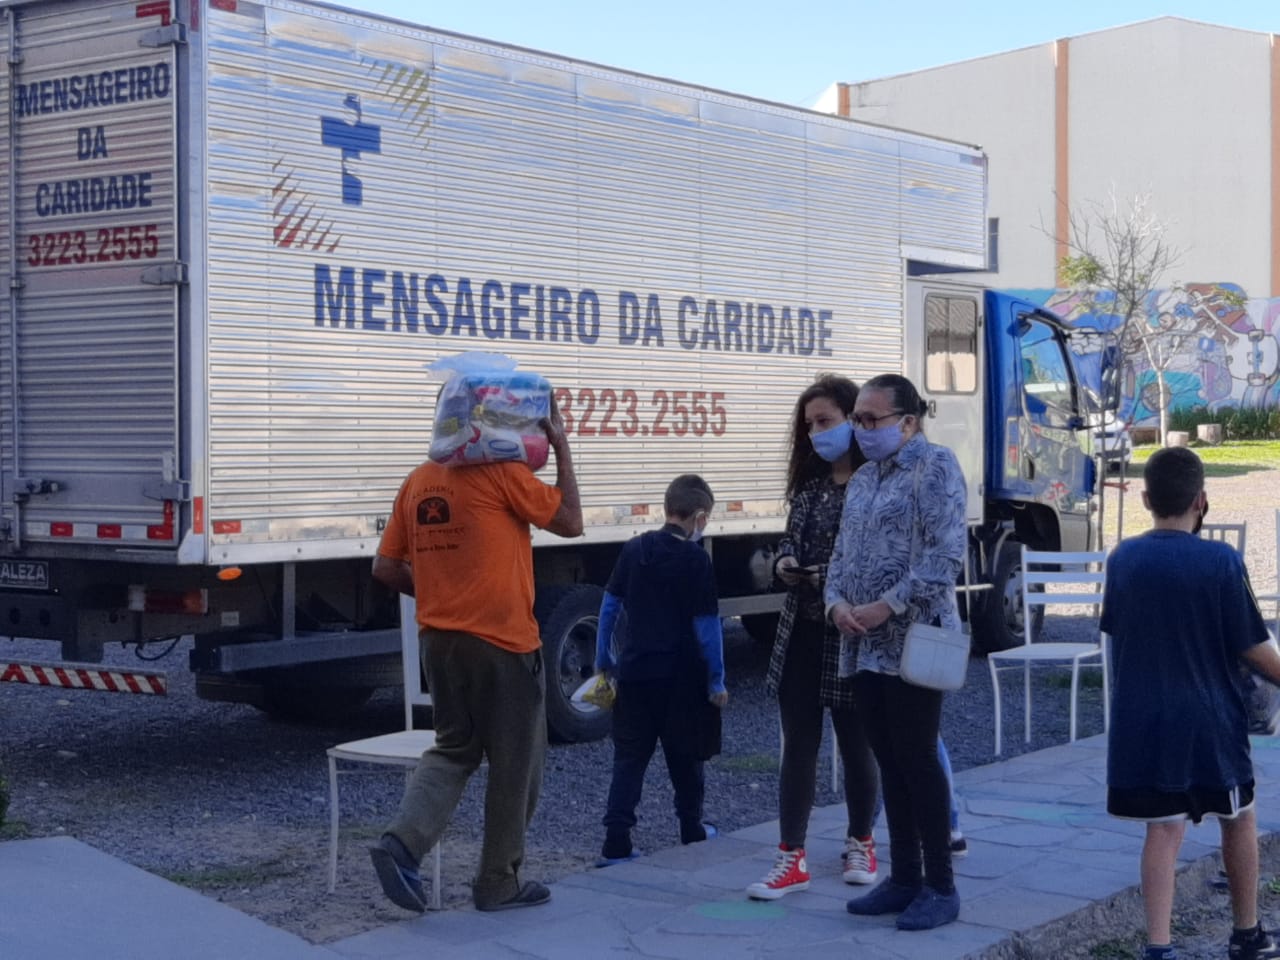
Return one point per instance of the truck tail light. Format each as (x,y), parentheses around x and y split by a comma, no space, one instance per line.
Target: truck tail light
(143,599)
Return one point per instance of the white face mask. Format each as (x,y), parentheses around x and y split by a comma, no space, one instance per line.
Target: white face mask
(697,530)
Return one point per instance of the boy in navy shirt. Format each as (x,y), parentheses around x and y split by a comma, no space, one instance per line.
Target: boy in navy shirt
(1181,617)
(669,668)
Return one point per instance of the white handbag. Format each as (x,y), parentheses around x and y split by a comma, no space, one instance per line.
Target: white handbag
(935,657)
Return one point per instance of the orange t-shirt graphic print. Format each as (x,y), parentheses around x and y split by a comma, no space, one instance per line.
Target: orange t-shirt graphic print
(465,533)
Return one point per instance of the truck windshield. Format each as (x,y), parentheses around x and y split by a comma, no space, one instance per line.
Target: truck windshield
(1046,376)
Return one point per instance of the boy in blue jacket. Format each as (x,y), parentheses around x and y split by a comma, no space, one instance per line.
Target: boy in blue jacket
(669,671)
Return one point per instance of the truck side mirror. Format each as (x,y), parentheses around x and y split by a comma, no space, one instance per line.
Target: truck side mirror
(1112,377)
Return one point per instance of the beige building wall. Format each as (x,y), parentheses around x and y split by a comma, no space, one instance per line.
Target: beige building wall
(1177,109)
(1182,111)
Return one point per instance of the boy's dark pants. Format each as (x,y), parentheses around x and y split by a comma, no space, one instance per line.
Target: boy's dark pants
(488,702)
(644,713)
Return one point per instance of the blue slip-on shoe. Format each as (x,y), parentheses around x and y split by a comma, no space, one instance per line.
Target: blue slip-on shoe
(400,879)
(530,894)
(603,861)
(889,897)
(930,909)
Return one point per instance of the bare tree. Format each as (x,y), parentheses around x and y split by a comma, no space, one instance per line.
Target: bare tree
(1118,259)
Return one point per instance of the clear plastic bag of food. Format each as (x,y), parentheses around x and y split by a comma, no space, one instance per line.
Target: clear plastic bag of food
(489,412)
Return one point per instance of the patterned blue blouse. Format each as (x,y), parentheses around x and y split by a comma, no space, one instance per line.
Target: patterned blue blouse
(907,554)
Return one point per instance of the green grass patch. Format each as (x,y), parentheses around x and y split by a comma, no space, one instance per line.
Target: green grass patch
(14,830)
(229,876)
(749,763)
(1230,459)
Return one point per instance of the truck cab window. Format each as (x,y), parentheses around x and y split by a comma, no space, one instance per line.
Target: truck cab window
(1046,377)
(951,344)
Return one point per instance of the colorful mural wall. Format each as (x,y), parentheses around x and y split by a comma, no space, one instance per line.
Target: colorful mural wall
(1231,357)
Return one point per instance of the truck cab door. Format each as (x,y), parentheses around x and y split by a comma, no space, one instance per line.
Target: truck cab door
(943,330)
(1053,458)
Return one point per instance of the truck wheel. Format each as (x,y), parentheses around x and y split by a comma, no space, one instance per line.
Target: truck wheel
(999,622)
(567,619)
(761,627)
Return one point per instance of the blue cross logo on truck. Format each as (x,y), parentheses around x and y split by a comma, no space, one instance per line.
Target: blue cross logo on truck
(353,139)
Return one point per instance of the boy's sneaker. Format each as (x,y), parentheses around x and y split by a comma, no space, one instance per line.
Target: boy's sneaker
(790,873)
(1255,944)
(859,860)
(698,832)
(959,845)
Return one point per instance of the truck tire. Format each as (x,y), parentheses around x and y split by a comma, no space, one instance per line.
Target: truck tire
(567,619)
(998,625)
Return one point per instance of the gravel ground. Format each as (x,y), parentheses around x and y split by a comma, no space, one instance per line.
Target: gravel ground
(220,798)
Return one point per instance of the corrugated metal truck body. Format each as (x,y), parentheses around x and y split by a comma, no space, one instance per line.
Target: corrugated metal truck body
(238,232)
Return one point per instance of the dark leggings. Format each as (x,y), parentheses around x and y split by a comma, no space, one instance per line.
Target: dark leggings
(801,711)
(901,721)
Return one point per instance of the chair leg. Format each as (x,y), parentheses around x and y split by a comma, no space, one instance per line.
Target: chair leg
(435,879)
(995,697)
(1075,691)
(835,759)
(1026,698)
(333,824)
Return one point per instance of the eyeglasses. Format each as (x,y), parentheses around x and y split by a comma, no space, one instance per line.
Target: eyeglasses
(867,422)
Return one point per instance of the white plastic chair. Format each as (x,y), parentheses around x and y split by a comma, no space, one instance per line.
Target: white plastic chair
(1084,574)
(400,749)
(1229,533)
(1274,598)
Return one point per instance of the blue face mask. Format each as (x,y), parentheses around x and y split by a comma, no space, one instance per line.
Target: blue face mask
(833,444)
(881,443)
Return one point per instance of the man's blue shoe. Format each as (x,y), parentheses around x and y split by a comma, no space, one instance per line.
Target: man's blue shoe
(398,874)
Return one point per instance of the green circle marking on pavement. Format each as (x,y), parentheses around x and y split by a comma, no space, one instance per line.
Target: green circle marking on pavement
(741,910)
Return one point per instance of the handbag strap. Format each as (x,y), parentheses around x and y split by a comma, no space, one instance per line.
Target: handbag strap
(917,535)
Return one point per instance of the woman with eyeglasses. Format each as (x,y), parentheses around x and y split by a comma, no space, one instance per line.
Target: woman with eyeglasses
(895,562)
(803,668)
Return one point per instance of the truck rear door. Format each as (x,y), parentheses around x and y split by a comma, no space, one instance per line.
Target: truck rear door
(943,325)
(89,368)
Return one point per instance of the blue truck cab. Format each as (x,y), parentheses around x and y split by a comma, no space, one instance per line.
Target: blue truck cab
(1013,390)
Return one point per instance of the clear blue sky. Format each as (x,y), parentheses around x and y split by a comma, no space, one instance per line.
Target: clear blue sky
(792,50)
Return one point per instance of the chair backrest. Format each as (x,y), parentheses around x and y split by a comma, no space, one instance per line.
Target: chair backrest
(415,693)
(1082,573)
(1232,533)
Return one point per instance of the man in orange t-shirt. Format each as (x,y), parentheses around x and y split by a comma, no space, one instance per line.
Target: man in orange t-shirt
(458,541)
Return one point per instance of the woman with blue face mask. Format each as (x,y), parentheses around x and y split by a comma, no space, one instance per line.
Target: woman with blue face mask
(803,665)
(895,561)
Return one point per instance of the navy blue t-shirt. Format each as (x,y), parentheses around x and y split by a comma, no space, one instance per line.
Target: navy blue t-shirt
(1180,612)
(664,581)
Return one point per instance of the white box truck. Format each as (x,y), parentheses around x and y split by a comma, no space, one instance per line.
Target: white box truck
(236,232)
